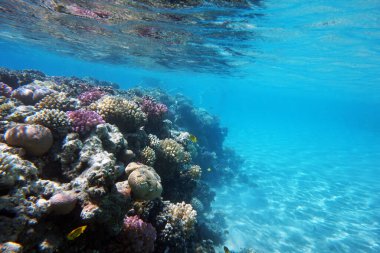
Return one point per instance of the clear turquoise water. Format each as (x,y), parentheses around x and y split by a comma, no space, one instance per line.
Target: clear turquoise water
(303,108)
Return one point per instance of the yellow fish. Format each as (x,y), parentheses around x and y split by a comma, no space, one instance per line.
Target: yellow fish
(226,250)
(76,232)
(193,138)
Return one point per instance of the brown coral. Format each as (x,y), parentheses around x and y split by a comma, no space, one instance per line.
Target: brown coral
(148,156)
(53,119)
(59,101)
(119,111)
(145,183)
(35,139)
(173,151)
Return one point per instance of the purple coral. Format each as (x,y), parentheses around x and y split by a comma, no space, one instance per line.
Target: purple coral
(83,121)
(91,96)
(138,236)
(5,90)
(153,109)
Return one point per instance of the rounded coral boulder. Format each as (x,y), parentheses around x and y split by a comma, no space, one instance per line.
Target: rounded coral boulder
(35,139)
(145,183)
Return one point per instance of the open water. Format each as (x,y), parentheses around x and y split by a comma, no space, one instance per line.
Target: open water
(297,84)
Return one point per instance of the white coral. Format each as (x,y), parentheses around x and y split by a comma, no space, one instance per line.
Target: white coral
(185,213)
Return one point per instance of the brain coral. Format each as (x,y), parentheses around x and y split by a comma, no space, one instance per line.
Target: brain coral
(35,139)
(173,151)
(145,183)
(119,111)
(58,101)
(53,119)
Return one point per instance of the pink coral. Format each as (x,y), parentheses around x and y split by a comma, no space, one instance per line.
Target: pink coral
(138,236)
(153,109)
(91,96)
(83,121)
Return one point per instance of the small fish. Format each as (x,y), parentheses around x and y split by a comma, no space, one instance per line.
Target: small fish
(209,169)
(76,232)
(193,138)
(226,250)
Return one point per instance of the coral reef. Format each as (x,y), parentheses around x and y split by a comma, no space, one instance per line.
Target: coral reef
(121,163)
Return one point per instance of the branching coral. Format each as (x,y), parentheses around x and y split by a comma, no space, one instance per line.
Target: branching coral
(119,111)
(148,156)
(59,101)
(173,151)
(83,121)
(53,119)
(185,213)
(195,172)
(154,110)
(88,97)
(137,235)
(154,142)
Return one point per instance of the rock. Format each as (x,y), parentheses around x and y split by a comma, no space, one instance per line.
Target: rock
(62,203)
(35,139)
(11,247)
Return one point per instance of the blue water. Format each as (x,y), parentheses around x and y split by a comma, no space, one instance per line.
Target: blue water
(302,107)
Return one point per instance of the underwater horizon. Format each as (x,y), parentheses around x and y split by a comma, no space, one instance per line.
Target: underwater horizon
(277,102)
